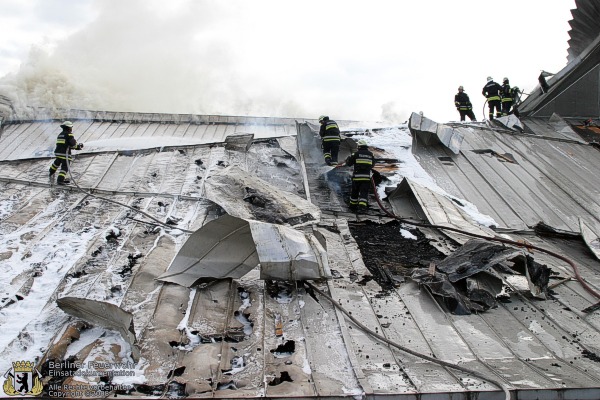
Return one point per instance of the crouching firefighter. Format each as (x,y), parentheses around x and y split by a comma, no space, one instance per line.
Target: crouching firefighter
(330,136)
(64,143)
(363,162)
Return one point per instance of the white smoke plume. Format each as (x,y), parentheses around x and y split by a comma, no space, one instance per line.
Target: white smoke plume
(344,58)
(147,56)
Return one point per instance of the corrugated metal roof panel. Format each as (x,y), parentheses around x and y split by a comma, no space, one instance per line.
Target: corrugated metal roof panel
(553,181)
(222,339)
(118,132)
(585,27)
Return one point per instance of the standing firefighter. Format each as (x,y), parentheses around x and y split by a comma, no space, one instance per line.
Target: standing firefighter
(507,99)
(515,93)
(463,105)
(492,92)
(363,162)
(64,143)
(330,136)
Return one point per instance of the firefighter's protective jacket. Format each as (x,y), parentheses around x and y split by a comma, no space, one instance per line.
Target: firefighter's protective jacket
(492,91)
(330,131)
(363,161)
(462,102)
(65,141)
(506,93)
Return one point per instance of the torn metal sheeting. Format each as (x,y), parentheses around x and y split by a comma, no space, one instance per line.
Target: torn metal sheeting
(475,256)
(511,122)
(223,248)
(439,285)
(103,314)
(484,288)
(288,254)
(428,132)
(590,237)
(479,255)
(230,247)
(438,209)
(230,186)
(289,145)
(562,128)
(538,276)
(502,157)
(239,142)
(475,263)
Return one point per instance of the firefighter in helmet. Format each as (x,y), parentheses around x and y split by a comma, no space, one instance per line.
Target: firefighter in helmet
(492,91)
(363,161)
(507,99)
(62,153)
(330,139)
(463,105)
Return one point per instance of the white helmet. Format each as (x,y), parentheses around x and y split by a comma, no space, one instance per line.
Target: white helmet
(362,142)
(68,124)
(489,78)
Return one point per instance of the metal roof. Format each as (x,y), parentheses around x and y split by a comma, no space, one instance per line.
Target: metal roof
(250,337)
(104,131)
(521,179)
(573,92)
(585,27)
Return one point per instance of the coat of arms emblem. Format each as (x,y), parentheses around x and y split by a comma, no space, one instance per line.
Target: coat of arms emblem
(23,380)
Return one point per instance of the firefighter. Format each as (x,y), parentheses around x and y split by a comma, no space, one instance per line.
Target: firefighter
(463,105)
(492,91)
(516,96)
(64,143)
(507,97)
(363,162)
(330,139)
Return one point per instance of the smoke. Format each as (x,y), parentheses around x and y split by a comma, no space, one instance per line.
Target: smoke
(146,56)
(390,112)
(346,59)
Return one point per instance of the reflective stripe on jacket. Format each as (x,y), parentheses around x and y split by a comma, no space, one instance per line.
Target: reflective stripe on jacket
(65,141)
(506,93)
(330,131)
(462,102)
(492,91)
(363,162)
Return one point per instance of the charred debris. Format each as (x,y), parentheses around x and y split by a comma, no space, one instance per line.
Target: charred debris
(470,280)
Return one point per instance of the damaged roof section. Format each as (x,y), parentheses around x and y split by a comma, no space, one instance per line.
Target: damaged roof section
(472,279)
(409,199)
(230,247)
(243,195)
(545,179)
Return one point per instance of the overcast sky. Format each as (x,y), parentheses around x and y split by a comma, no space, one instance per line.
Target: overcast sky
(357,60)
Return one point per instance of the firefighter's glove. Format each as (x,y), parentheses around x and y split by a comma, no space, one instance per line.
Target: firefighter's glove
(79,146)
